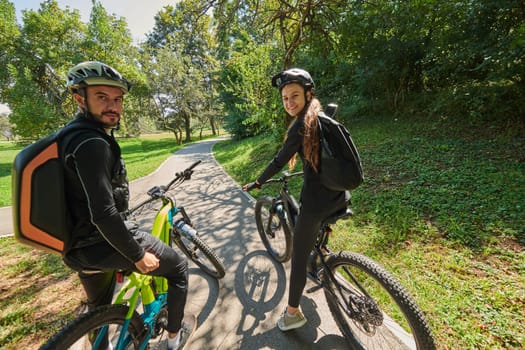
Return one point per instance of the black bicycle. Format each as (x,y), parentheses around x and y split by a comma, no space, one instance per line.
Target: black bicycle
(370,307)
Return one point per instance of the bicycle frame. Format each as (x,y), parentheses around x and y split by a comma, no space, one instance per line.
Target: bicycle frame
(141,286)
(322,251)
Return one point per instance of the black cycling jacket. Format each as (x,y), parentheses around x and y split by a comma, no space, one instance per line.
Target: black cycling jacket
(313,194)
(96,190)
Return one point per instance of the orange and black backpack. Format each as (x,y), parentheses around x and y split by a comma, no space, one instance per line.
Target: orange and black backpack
(40,214)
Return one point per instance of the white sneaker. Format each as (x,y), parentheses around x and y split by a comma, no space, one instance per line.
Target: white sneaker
(189,323)
(287,322)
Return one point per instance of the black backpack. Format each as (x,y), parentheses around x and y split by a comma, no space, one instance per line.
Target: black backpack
(340,166)
(40,215)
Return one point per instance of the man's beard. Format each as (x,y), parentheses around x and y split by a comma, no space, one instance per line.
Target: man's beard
(114,121)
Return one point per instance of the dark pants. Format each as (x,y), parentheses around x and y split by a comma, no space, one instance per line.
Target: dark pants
(306,231)
(99,286)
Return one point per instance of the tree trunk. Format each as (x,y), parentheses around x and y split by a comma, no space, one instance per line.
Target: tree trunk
(187,127)
(212,125)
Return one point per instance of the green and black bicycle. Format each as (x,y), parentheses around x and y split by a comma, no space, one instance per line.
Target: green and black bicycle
(138,314)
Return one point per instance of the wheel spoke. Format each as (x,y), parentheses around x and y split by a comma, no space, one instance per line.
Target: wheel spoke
(97,328)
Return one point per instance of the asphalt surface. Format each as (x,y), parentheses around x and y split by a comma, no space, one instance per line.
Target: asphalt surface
(239,311)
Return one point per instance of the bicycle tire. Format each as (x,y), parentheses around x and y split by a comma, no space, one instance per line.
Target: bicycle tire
(200,254)
(76,334)
(387,316)
(273,230)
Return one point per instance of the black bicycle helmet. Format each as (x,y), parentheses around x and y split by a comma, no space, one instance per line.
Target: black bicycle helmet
(294,75)
(95,73)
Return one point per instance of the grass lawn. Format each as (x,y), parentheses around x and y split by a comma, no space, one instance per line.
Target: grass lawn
(8,151)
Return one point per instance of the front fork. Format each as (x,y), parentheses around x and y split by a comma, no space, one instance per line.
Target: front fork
(185,216)
(285,211)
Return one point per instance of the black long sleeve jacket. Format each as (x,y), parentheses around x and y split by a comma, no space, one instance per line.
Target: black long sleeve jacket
(313,194)
(96,191)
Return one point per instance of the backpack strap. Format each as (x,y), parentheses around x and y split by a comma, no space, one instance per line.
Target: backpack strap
(81,124)
(325,146)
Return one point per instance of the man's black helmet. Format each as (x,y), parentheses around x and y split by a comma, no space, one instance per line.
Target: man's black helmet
(95,73)
(294,75)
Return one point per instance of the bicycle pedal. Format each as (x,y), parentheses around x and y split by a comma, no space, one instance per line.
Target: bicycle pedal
(314,288)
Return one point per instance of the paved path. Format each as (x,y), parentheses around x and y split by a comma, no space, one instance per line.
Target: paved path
(6,221)
(241,310)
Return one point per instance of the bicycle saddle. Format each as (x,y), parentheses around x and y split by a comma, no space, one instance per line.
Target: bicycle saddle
(340,214)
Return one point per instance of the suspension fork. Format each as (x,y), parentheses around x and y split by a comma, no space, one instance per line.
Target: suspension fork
(277,208)
(291,206)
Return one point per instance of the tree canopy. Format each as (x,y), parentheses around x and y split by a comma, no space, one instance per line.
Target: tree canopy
(211,60)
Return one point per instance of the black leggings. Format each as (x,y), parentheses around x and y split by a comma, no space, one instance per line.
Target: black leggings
(305,234)
(306,230)
(99,286)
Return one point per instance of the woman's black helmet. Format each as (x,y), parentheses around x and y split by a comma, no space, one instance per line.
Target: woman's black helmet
(95,73)
(294,75)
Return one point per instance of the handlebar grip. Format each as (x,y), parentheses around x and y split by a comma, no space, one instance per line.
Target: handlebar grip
(285,177)
(194,165)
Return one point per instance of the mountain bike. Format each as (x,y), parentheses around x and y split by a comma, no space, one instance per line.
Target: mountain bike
(120,322)
(370,307)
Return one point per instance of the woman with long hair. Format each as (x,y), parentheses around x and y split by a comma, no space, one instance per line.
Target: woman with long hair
(296,88)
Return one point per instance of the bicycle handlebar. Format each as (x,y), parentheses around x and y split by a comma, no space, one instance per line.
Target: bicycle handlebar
(185,174)
(157,192)
(286,175)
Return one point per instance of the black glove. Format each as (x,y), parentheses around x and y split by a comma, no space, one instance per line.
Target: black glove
(251,186)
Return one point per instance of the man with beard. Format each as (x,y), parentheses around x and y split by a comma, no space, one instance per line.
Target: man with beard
(97,193)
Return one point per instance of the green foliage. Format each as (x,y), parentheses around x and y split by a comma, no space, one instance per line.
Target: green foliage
(459,57)
(485,102)
(50,42)
(32,88)
(246,91)
(8,39)
(181,68)
(33,116)
(107,35)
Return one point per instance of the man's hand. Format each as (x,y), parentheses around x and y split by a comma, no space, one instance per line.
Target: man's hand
(251,186)
(148,263)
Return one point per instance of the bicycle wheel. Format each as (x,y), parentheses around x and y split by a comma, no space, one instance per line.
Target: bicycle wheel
(79,334)
(273,230)
(372,309)
(202,255)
